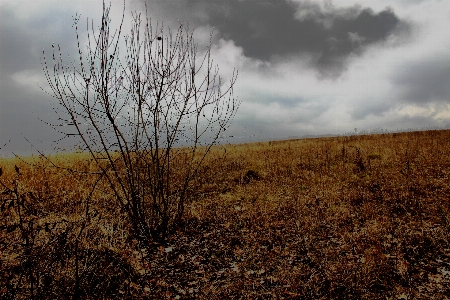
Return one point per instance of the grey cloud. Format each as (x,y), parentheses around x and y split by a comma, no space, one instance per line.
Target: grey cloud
(22,41)
(264,97)
(21,44)
(371,107)
(15,42)
(419,122)
(424,81)
(280,28)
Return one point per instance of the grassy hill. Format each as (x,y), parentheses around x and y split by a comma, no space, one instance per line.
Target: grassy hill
(358,217)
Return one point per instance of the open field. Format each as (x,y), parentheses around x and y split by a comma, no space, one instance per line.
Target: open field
(360,217)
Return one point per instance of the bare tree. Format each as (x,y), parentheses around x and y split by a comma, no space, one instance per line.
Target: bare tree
(133,112)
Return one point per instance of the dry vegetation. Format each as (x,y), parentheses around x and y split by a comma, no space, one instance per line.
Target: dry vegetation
(361,217)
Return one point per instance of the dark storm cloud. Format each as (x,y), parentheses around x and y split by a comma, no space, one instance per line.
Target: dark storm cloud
(425,81)
(280,28)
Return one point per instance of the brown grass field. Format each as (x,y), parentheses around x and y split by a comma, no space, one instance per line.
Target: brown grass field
(359,217)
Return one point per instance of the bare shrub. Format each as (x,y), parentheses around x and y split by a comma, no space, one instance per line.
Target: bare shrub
(133,112)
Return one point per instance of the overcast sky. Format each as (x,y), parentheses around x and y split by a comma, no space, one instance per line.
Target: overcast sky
(305,67)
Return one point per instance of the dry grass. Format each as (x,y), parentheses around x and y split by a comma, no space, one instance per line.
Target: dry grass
(363,217)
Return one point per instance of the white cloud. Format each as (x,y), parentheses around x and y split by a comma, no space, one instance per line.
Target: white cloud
(30,80)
